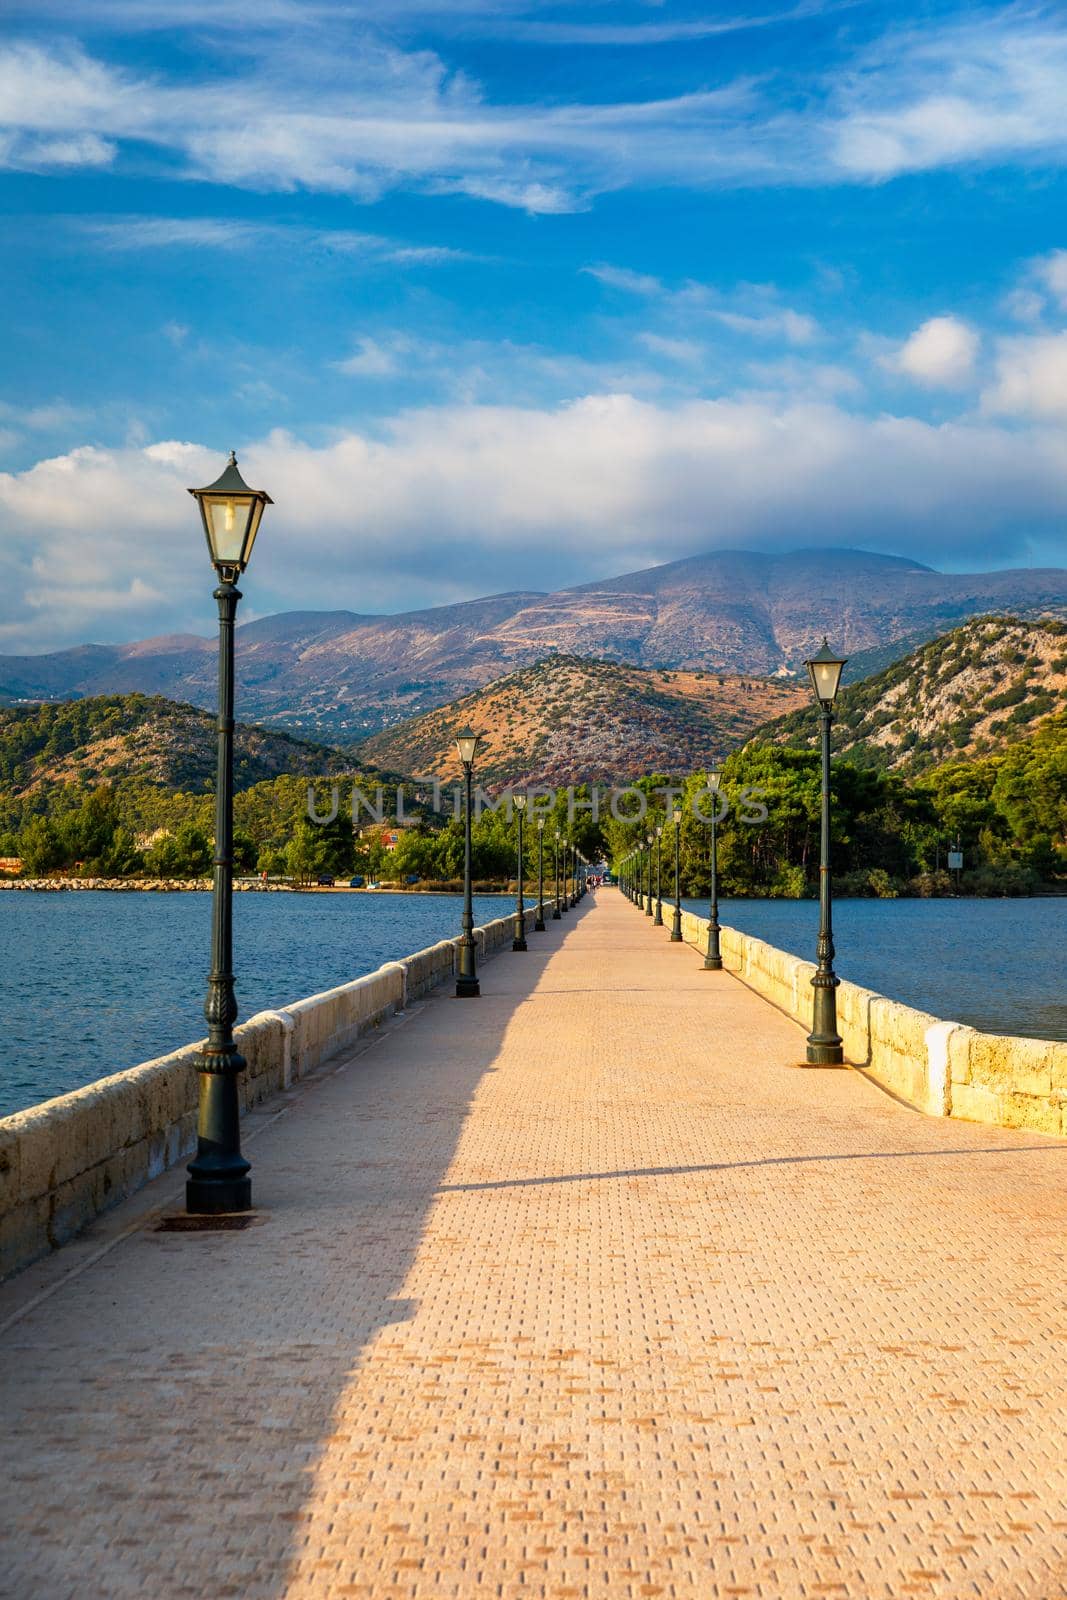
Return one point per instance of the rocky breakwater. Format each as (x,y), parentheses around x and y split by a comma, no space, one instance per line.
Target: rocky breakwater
(140,885)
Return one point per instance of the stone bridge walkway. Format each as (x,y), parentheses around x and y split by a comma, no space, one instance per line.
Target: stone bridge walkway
(581,1290)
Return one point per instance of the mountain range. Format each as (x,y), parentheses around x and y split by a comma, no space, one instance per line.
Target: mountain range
(341,675)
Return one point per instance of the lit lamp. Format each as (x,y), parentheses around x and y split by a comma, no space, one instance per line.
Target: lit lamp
(713,959)
(519,940)
(467,985)
(218,1174)
(824,1041)
(676,923)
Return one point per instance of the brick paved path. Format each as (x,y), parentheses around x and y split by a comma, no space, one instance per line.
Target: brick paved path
(581,1290)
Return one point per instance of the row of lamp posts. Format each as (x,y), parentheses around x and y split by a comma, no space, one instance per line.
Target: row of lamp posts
(824,1045)
(568,861)
(219,1181)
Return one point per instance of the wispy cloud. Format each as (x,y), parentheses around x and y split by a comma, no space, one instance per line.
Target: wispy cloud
(992,88)
(224,233)
(751,310)
(623,278)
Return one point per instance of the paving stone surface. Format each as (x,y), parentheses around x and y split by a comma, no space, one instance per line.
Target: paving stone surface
(581,1291)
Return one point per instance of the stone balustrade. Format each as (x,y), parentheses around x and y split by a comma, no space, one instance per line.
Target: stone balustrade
(64,1162)
(946,1069)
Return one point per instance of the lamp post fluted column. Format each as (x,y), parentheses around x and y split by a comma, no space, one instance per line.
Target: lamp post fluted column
(218,1174)
(649,910)
(539,920)
(713,958)
(825,1047)
(467,985)
(676,921)
(657,920)
(519,940)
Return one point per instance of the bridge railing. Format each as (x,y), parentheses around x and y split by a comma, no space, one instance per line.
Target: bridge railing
(64,1162)
(944,1068)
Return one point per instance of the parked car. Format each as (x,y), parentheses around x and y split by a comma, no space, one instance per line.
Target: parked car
(324,880)
(412,877)
(355,883)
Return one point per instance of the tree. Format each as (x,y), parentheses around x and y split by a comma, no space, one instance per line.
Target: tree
(40,848)
(306,852)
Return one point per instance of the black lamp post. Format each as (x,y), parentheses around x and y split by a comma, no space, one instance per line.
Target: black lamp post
(539,920)
(658,919)
(650,841)
(713,959)
(556,913)
(676,923)
(467,985)
(824,1041)
(519,941)
(218,1175)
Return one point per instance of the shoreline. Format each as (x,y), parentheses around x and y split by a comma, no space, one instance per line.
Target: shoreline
(204,886)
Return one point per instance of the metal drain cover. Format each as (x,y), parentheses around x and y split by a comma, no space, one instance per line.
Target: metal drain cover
(219,1222)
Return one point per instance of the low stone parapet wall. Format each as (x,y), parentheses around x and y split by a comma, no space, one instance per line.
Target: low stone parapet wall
(64,1162)
(946,1069)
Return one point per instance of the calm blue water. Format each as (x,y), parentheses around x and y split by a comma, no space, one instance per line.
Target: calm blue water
(96,982)
(93,982)
(996,964)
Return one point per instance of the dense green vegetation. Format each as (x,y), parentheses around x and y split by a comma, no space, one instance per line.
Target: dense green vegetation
(976,690)
(1009,812)
(124,784)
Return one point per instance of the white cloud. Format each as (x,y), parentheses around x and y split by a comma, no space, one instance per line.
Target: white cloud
(1031,377)
(132,233)
(371,359)
(1051,270)
(687,351)
(939,355)
(992,89)
(792,326)
(623,278)
(527,496)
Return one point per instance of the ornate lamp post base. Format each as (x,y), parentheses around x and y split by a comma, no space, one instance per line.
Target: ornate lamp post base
(218,1177)
(825,1045)
(467,988)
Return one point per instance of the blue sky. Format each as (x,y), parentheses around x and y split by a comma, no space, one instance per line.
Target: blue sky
(496,294)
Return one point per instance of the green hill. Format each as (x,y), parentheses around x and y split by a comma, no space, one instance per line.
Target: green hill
(569,719)
(101,780)
(970,693)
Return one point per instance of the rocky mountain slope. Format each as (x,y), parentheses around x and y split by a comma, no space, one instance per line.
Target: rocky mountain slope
(338,674)
(974,691)
(569,719)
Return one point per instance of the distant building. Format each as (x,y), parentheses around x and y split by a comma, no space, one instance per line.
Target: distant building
(10,866)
